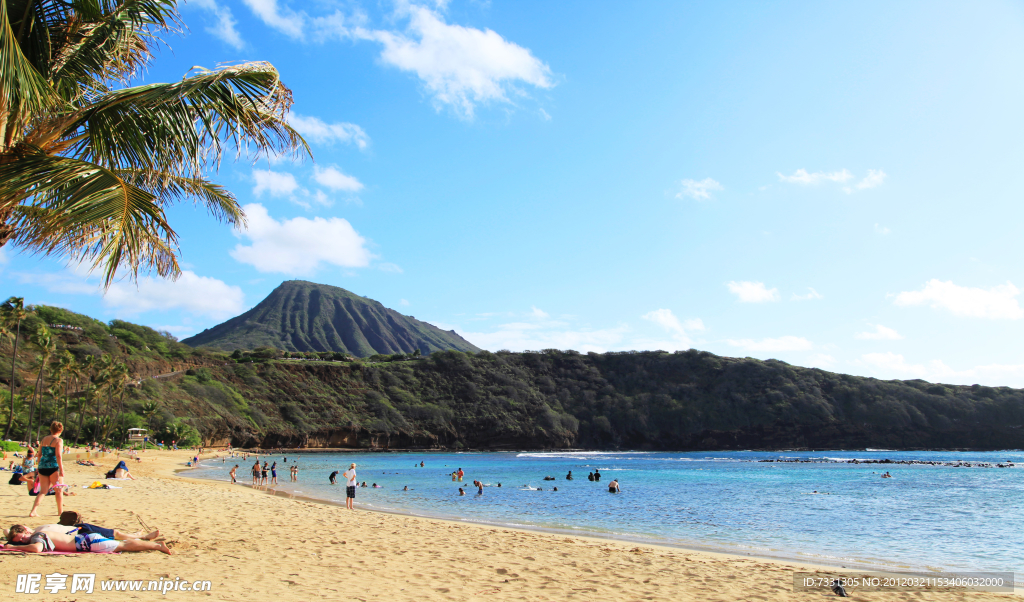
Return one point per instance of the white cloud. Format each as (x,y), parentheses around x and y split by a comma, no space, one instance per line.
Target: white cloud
(880,333)
(459,66)
(821,360)
(199,295)
(331,177)
(403,302)
(677,329)
(880,229)
(195,294)
(225,28)
(316,130)
(753,292)
(299,246)
(390,267)
(813,294)
(699,190)
(997,303)
(693,324)
(277,183)
(520,336)
(538,313)
(894,365)
(666,319)
(280,18)
(801,176)
(786,343)
(874,178)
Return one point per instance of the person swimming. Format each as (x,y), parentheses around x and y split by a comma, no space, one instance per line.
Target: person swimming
(461,492)
(590,477)
(568,477)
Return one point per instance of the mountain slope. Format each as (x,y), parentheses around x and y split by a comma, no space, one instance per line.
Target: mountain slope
(305,316)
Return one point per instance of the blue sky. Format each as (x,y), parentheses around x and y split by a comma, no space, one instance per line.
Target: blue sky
(830,184)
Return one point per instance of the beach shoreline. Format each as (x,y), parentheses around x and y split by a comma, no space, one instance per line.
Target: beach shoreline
(247,542)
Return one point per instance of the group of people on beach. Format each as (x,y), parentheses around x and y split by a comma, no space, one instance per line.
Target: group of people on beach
(260,473)
(43,476)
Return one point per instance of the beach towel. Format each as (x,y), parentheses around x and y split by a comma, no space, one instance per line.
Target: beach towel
(53,553)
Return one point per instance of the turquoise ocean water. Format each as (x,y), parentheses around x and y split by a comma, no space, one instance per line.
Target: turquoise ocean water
(927,517)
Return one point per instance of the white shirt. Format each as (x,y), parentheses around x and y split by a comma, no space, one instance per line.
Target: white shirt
(350,474)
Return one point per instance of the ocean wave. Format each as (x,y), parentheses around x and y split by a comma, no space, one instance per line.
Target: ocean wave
(578,454)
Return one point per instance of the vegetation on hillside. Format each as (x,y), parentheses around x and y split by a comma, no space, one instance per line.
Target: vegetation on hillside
(536,400)
(70,367)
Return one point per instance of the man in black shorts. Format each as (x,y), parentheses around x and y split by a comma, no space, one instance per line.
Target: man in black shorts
(334,478)
(350,486)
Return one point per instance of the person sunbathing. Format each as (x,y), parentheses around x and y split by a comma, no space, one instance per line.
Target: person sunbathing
(120,472)
(82,538)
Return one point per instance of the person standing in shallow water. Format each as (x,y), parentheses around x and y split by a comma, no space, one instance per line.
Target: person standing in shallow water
(597,474)
(350,486)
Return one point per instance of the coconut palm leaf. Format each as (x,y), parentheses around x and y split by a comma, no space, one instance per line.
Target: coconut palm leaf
(87,170)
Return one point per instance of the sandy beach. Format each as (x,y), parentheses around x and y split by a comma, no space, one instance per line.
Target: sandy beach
(252,545)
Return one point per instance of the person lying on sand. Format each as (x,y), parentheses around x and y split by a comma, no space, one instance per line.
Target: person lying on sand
(84,538)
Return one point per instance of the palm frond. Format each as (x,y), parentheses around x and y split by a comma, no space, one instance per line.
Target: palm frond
(181,127)
(23,90)
(168,187)
(85,212)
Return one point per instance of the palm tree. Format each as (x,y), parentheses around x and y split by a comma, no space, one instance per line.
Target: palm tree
(88,165)
(13,312)
(104,379)
(47,347)
(120,377)
(149,411)
(64,370)
(89,367)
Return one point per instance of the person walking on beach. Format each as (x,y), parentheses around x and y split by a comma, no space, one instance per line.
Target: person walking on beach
(51,462)
(273,474)
(350,486)
(256,472)
(233,480)
(263,474)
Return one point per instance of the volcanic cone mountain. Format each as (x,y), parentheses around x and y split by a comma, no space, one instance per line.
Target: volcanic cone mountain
(305,316)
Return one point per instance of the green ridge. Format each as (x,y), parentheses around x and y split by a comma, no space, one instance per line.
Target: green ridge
(305,316)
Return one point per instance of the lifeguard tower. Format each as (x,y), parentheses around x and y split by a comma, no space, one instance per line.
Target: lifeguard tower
(138,435)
